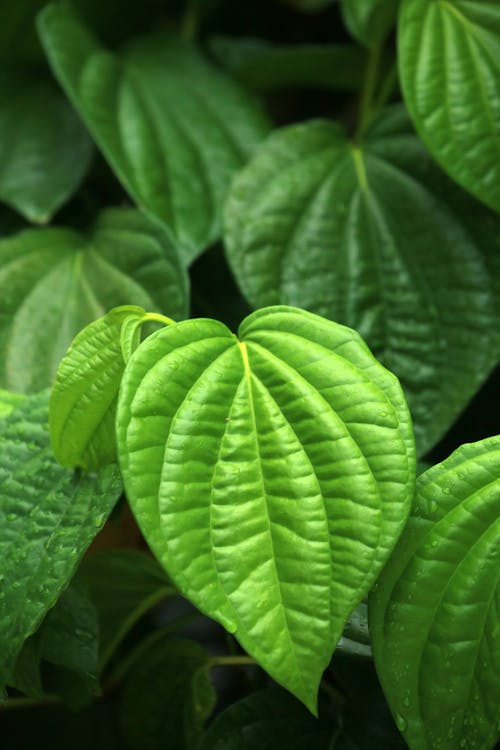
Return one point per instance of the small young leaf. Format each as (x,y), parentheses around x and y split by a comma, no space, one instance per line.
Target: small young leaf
(350,231)
(271,476)
(434,613)
(450,75)
(173,128)
(369,21)
(55,281)
(48,518)
(124,585)
(48,150)
(167,697)
(83,400)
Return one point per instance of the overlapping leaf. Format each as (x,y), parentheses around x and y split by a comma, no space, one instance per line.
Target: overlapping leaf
(271,476)
(360,235)
(172,127)
(123,584)
(369,20)
(55,281)
(435,612)
(45,149)
(174,675)
(48,517)
(450,73)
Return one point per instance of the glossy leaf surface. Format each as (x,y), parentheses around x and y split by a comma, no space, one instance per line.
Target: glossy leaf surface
(48,518)
(55,281)
(450,74)
(45,149)
(83,399)
(271,476)
(434,615)
(173,674)
(351,233)
(173,128)
(124,585)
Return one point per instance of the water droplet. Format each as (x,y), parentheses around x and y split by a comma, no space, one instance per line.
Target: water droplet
(406,701)
(401,722)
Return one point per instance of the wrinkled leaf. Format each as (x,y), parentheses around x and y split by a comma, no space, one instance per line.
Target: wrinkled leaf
(124,585)
(48,518)
(83,399)
(434,614)
(351,233)
(167,697)
(369,21)
(55,281)
(172,127)
(235,452)
(45,151)
(267,67)
(450,75)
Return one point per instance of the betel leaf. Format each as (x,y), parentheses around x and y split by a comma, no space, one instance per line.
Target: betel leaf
(83,399)
(267,67)
(270,474)
(350,232)
(45,149)
(124,585)
(450,75)
(55,281)
(434,614)
(369,21)
(48,518)
(173,128)
(171,675)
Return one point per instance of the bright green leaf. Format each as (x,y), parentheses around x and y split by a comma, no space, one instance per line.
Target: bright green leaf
(434,614)
(55,281)
(369,21)
(48,518)
(167,697)
(267,67)
(351,232)
(9,401)
(83,400)
(124,585)
(450,74)
(271,476)
(173,128)
(45,149)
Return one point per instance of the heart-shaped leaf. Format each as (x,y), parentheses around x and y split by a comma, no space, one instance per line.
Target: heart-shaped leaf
(45,148)
(55,281)
(270,474)
(173,128)
(351,232)
(48,518)
(167,697)
(450,74)
(434,614)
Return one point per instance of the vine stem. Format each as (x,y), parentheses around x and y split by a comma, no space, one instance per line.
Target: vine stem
(368,92)
(230,661)
(158,318)
(191,21)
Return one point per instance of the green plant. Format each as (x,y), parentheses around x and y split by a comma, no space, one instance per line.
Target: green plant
(271,472)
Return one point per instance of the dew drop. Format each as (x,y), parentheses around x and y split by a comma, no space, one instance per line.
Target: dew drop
(401,722)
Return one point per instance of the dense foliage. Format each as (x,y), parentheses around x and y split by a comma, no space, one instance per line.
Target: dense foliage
(250,316)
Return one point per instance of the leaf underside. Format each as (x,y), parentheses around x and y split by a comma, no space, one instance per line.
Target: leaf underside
(271,476)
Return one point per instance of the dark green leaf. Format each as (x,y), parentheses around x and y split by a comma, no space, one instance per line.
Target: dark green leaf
(26,676)
(450,74)
(369,21)
(266,67)
(246,463)
(173,128)
(434,614)
(48,517)
(124,585)
(45,149)
(351,232)
(55,281)
(167,697)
